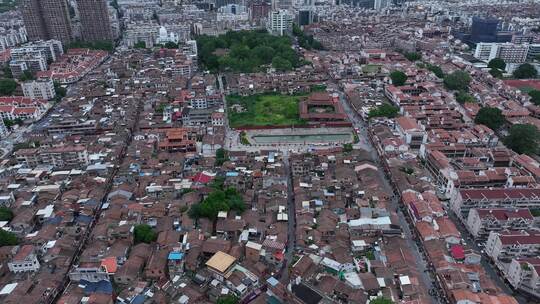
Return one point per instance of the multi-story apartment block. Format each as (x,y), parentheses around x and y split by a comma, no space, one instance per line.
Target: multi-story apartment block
(47,19)
(524,275)
(463,200)
(42,88)
(502,247)
(58,157)
(95,20)
(481,222)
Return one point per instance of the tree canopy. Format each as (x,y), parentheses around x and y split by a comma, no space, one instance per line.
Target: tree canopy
(97,45)
(6,214)
(221,156)
(457,80)
(7,86)
(218,200)
(523,139)
(464,97)
(535,97)
(381,300)
(7,238)
(398,78)
(246,51)
(228,299)
(144,234)
(385,110)
(436,70)
(497,63)
(140,45)
(27,75)
(306,41)
(413,56)
(496,73)
(525,71)
(490,117)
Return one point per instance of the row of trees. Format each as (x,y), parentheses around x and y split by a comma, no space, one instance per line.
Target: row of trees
(97,45)
(7,238)
(246,51)
(524,71)
(522,138)
(306,41)
(398,78)
(385,110)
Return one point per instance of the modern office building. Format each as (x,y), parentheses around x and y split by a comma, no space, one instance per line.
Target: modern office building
(509,52)
(47,19)
(95,20)
(484,29)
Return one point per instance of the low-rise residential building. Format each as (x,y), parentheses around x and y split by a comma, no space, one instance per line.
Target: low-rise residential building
(25,260)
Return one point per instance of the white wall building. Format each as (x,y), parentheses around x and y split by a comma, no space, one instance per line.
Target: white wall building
(24,261)
(39,89)
(509,52)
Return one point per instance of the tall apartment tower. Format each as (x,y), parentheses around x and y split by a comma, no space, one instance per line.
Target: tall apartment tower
(47,19)
(95,21)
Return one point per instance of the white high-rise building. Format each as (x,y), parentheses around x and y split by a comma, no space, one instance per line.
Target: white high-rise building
(280,22)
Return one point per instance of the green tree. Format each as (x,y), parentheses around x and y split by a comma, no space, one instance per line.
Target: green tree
(27,75)
(228,299)
(281,64)
(413,56)
(535,96)
(496,73)
(7,238)
(140,45)
(490,117)
(497,63)
(463,97)
(457,80)
(436,70)
(385,110)
(523,139)
(221,156)
(171,45)
(398,78)
(9,123)
(347,147)
(6,214)
(7,71)
(218,200)
(525,71)
(381,300)
(7,86)
(144,234)
(59,89)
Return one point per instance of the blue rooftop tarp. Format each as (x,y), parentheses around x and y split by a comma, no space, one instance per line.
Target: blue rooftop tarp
(176,256)
(97,287)
(231,174)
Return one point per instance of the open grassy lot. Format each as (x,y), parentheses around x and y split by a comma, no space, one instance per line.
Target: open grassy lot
(263,110)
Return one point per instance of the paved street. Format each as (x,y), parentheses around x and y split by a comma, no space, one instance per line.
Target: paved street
(488,267)
(365,144)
